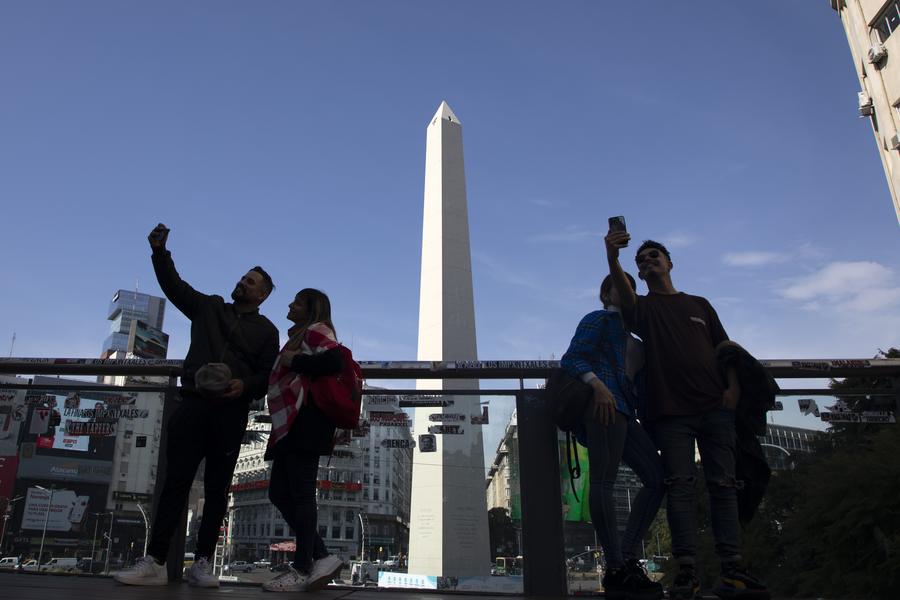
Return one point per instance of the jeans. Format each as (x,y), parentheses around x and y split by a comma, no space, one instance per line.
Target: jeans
(608,445)
(292,489)
(198,430)
(714,434)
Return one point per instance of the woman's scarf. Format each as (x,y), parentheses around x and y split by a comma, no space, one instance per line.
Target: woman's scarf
(288,390)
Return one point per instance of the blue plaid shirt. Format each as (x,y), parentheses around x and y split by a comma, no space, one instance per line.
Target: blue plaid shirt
(600,335)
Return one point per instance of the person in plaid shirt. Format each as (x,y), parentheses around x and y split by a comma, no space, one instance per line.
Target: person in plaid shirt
(607,357)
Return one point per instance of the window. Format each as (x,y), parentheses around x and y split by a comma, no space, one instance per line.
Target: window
(888,21)
(336,517)
(323,531)
(348,533)
(348,516)
(336,532)
(375,495)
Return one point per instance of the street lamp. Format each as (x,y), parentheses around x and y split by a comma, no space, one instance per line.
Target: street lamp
(112,519)
(783,449)
(146,527)
(46,521)
(7,514)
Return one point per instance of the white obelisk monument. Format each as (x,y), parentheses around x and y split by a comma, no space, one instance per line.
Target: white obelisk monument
(448,522)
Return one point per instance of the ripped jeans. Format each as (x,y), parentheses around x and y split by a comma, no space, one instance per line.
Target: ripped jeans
(715,436)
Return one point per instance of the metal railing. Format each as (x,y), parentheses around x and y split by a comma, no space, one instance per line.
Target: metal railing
(542,536)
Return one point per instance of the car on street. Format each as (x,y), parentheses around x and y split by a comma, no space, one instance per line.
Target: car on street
(239,566)
(262,564)
(29,565)
(280,567)
(9,562)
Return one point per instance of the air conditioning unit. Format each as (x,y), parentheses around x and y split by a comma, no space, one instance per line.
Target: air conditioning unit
(895,142)
(865,105)
(877,53)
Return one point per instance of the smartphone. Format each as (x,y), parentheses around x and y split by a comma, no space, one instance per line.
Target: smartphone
(617,223)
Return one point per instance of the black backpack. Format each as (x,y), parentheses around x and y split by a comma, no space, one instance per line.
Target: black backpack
(570,398)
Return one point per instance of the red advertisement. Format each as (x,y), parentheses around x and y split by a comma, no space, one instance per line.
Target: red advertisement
(8,467)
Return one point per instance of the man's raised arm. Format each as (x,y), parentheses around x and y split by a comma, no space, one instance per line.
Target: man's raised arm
(615,241)
(183,296)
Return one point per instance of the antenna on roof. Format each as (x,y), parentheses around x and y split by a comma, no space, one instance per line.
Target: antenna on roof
(12,344)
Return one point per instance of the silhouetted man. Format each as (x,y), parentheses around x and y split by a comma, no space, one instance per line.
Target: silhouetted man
(233,348)
(688,402)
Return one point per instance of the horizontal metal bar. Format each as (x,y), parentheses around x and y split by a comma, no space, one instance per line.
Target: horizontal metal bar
(830,392)
(485,369)
(92,387)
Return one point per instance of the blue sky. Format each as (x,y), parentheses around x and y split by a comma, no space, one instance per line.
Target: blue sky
(292,135)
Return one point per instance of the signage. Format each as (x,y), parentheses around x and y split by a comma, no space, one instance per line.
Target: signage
(88,428)
(73,469)
(388,419)
(132,497)
(427,443)
(348,486)
(446,429)
(424,402)
(59,514)
(249,485)
(145,341)
(444,417)
(395,443)
(864,417)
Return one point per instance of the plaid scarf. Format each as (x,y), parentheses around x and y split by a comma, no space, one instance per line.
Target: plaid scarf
(287,389)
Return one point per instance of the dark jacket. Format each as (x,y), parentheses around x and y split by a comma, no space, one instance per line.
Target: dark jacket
(311,433)
(247,342)
(758,390)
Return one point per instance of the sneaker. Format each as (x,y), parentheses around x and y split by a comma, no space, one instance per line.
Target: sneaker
(686,585)
(614,583)
(291,580)
(200,574)
(146,571)
(641,587)
(323,571)
(737,584)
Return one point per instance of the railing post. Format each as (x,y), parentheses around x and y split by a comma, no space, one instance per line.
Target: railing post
(175,559)
(542,524)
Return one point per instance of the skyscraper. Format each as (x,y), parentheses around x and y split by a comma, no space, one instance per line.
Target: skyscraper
(125,307)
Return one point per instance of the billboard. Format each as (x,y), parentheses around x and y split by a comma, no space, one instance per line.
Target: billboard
(67,510)
(145,341)
(12,414)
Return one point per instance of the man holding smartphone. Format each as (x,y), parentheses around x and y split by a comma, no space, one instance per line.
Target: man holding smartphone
(687,402)
(232,350)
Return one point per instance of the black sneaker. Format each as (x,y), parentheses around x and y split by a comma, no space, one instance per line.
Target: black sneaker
(641,587)
(614,583)
(737,584)
(686,585)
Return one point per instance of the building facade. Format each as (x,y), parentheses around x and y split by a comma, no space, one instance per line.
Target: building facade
(870,26)
(126,307)
(782,443)
(363,493)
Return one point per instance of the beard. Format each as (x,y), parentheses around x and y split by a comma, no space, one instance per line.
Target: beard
(239,293)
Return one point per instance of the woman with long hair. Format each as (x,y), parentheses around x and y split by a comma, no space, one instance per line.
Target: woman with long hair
(607,357)
(301,433)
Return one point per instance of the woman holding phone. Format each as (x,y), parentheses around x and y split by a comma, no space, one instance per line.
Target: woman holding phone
(301,433)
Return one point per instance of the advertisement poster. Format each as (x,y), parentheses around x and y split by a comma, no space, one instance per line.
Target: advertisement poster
(12,414)
(59,439)
(145,341)
(575,510)
(67,510)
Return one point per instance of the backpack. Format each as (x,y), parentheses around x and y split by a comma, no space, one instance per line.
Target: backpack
(569,398)
(339,396)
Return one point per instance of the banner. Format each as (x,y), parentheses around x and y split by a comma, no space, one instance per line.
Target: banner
(8,467)
(12,415)
(145,341)
(67,508)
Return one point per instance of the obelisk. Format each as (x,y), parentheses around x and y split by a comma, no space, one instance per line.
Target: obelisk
(448,515)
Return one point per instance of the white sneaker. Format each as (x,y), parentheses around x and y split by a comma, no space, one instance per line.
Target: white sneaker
(323,571)
(289,581)
(200,574)
(145,571)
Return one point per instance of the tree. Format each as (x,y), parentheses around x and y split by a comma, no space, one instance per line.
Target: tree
(502,533)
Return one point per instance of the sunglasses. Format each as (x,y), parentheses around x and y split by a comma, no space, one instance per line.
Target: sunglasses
(646,256)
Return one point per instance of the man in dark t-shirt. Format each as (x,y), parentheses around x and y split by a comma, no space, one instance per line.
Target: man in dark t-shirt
(689,402)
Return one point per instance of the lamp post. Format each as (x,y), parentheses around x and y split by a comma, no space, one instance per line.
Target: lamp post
(46,521)
(7,515)
(146,526)
(783,449)
(112,518)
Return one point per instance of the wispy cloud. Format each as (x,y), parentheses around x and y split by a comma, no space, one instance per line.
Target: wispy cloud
(753,259)
(860,286)
(542,202)
(570,235)
(506,274)
(677,239)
